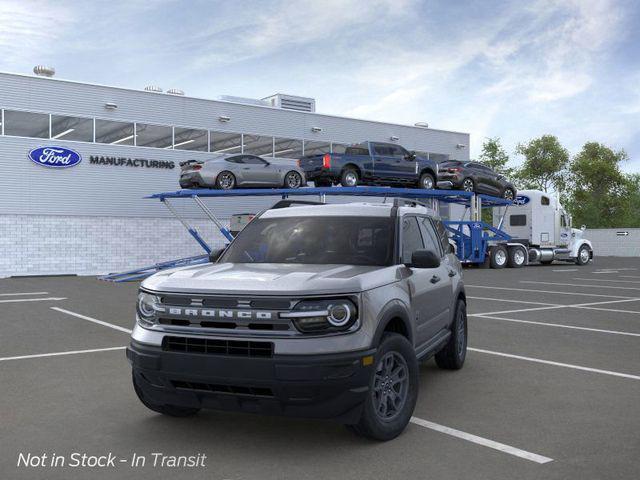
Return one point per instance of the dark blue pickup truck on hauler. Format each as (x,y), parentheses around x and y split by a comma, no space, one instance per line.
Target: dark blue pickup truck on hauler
(371,163)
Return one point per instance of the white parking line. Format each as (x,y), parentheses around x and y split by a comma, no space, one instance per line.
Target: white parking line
(534,457)
(511,301)
(94,320)
(629,276)
(566,270)
(551,306)
(581,285)
(556,364)
(572,327)
(57,354)
(547,291)
(606,280)
(27,293)
(19,300)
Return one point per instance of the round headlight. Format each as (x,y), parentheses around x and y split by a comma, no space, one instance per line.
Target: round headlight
(339,314)
(146,305)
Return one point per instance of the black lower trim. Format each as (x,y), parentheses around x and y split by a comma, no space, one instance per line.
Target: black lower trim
(315,386)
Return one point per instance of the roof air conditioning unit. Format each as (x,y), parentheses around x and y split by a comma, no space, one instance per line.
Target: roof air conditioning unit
(153,88)
(175,91)
(43,71)
(292,102)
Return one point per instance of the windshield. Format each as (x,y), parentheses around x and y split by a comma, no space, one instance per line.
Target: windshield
(315,240)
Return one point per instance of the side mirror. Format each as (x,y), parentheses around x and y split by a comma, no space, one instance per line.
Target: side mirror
(214,255)
(424,259)
(410,156)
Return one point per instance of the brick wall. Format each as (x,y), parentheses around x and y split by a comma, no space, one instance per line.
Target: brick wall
(51,245)
(612,242)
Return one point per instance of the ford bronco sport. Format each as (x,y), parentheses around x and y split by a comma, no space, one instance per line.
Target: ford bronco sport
(317,311)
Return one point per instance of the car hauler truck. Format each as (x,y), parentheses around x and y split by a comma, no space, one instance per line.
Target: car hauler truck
(540,231)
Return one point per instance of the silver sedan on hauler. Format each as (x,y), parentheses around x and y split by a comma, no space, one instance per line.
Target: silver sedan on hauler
(241,170)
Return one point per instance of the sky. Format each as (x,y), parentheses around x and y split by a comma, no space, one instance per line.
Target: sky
(509,69)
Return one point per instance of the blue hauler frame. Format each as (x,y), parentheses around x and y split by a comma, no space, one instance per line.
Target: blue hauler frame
(472,238)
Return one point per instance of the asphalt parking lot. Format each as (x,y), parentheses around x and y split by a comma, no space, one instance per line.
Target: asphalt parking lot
(551,389)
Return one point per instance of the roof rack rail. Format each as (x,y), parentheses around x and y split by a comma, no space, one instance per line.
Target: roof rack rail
(290,202)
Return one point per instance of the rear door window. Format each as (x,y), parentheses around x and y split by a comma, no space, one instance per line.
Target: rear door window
(431,241)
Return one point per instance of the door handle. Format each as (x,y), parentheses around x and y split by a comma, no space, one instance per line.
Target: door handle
(452,273)
(435,279)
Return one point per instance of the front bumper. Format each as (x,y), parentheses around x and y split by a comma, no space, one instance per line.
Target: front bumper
(314,386)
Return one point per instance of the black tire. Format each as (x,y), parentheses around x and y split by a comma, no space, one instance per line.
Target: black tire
(170,410)
(427,181)
(517,257)
(322,183)
(468,185)
(499,256)
(386,425)
(509,194)
(349,177)
(292,180)
(225,180)
(452,356)
(584,255)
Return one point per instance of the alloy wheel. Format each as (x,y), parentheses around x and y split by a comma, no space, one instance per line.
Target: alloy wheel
(226,181)
(293,180)
(391,386)
(467,185)
(508,194)
(427,182)
(351,179)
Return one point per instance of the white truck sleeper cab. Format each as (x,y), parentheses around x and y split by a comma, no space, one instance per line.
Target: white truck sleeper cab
(537,222)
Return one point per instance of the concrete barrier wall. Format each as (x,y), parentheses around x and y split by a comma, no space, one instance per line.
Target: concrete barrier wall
(614,242)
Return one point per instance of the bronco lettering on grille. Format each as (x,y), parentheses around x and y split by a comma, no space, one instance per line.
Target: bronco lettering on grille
(217,313)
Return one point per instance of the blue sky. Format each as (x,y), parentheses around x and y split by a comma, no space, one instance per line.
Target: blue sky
(515,69)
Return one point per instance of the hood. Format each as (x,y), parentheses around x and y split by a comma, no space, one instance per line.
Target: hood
(271,279)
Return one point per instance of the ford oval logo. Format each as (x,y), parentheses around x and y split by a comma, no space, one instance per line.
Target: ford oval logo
(55,157)
(521,200)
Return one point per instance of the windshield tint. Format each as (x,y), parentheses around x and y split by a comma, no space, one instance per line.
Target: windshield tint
(315,240)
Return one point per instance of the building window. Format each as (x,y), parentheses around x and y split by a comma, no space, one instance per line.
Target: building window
(26,124)
(258,145)
(338,147)
(225,142)
(287,148)
(71,128)
(190,139)
(157,136)
(316,148)
(115,133)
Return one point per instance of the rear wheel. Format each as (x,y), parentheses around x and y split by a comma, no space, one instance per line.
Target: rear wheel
(393,390)
(584,255)
(427,181)
(452,356)
(499,256)
(517,257)
(171,410)
(293,180)
(508,194)
(468,185)
(349,178)
(225,180)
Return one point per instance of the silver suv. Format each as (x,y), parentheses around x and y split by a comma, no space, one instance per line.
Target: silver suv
(317,311)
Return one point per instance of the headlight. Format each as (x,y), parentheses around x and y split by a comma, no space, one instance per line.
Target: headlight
(147,307)
(323,316)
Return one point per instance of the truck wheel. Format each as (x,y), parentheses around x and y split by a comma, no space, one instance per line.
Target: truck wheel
(584,255)
(498,256)
(349,178)
(225,180)
(517,257)
(426,181)
(292,180)
(452,356)
(393,390)
(171,410)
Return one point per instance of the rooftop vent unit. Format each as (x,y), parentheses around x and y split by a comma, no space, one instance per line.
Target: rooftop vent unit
(153,88)
(291,102)
(43,71)
(244,100)
(175,91)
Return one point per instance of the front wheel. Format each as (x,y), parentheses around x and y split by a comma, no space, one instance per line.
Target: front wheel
(293,180)
(468,185)
(426,181)
(584,255)
(452,356)
(393,390)
(508,194)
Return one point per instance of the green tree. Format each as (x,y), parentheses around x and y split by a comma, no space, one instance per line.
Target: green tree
(599,193)
(545,164)
(494,156)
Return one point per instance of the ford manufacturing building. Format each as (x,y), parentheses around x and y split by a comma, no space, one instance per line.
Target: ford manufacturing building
(91,218)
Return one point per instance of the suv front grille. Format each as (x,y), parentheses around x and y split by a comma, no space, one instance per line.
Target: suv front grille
(230,389)
(218,347)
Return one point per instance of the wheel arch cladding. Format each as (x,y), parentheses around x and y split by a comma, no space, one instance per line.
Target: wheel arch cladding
(395,318)
(353,166)
(428,170)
